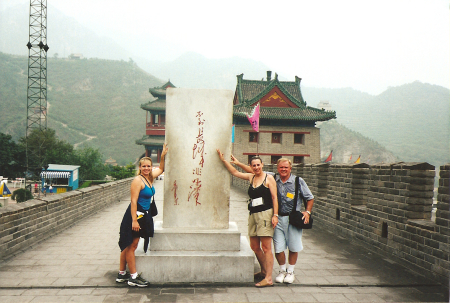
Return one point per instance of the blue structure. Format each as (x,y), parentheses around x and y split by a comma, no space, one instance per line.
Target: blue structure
(63,178)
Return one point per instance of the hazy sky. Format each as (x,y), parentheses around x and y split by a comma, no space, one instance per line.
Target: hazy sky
(367,45)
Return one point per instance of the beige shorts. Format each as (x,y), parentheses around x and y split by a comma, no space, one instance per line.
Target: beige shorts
(260,224)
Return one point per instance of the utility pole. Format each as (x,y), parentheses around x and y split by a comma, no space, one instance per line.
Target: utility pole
(37,77)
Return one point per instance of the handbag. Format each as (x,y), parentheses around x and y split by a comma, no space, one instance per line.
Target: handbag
(153,208)
(295,217)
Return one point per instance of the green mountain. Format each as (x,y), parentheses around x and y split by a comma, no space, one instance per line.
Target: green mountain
(411,121)
(95,102)
(348,145)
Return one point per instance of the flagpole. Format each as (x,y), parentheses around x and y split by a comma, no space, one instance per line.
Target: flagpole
(257,145)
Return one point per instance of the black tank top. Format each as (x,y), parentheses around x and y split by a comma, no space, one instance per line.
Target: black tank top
(258,192)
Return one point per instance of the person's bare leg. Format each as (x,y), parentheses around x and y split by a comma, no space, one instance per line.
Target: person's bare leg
(266,244)
(123,260)
(281,258)
(255,245)
(129,255)
(293,257)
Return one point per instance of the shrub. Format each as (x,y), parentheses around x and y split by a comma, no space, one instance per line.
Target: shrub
(22,195)
(85,184)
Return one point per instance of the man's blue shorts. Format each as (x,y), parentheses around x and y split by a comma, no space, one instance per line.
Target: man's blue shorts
(287,236)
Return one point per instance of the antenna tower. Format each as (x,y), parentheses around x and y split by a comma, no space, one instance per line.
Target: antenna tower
(37,74)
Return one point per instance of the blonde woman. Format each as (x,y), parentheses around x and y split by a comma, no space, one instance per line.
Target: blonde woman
(142,191)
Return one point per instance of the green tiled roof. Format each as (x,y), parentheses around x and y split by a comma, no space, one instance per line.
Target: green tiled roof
(157,104)
(158,92)
(285,113)
(159,101)
(151,140)
(249,92)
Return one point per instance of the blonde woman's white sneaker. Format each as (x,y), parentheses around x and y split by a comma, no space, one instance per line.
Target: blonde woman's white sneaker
(280,277)
(290,277)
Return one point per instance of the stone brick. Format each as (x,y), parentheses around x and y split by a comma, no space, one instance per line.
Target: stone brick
(399,194)
(33,221)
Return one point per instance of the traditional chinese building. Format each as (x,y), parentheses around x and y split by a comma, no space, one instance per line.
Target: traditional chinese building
(155,121)
(286,125)
(111,162)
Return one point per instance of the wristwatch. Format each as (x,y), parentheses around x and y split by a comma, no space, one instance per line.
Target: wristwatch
(308,212)
(276,215)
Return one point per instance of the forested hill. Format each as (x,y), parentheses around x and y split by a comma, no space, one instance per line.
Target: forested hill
(95,102)
(348,145)
(411,120)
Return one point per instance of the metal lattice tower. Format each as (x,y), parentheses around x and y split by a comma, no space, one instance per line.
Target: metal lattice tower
(37,67)
(37,71)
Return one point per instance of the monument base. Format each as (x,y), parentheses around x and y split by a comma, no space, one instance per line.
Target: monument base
(202,265)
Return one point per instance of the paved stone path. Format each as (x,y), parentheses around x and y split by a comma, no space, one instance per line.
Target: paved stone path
(80,265)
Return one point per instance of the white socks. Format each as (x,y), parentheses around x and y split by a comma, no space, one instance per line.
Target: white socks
(290,268)
(133,276)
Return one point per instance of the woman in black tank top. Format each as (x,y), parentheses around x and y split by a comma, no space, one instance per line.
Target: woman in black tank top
(260,191)
(263,204)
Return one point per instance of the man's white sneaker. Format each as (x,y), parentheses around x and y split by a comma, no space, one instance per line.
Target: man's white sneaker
(290,277)
(280,277)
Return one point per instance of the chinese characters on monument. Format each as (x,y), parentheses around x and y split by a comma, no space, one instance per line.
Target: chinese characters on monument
(198,153)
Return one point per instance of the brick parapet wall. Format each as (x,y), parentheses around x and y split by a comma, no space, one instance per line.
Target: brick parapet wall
(25,224)
(443,199)
(385,207)
(443,220)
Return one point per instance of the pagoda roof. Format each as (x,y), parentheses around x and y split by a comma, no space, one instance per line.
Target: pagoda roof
(250,92)
(156,104)
(285,113)
(159,95)
(167,84)
(160,92)
(151,140)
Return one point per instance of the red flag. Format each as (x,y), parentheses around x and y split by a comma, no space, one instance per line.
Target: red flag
(330,157)
(254,118)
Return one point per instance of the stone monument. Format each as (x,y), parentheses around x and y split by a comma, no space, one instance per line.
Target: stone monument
(196,242)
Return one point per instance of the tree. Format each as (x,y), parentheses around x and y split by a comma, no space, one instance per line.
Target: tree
(91,164)
(44,148)
(12,157)
(21,195)
(131,168)
(120,172)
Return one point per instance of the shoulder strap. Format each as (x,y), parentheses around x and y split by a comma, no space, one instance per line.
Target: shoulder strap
(297,179)
(251,182)
(296,194)
(146,181)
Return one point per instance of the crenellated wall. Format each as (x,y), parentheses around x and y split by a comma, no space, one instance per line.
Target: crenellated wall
(385,207)
(25,224)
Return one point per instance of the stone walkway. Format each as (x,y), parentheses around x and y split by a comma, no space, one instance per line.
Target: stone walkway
(80,265)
